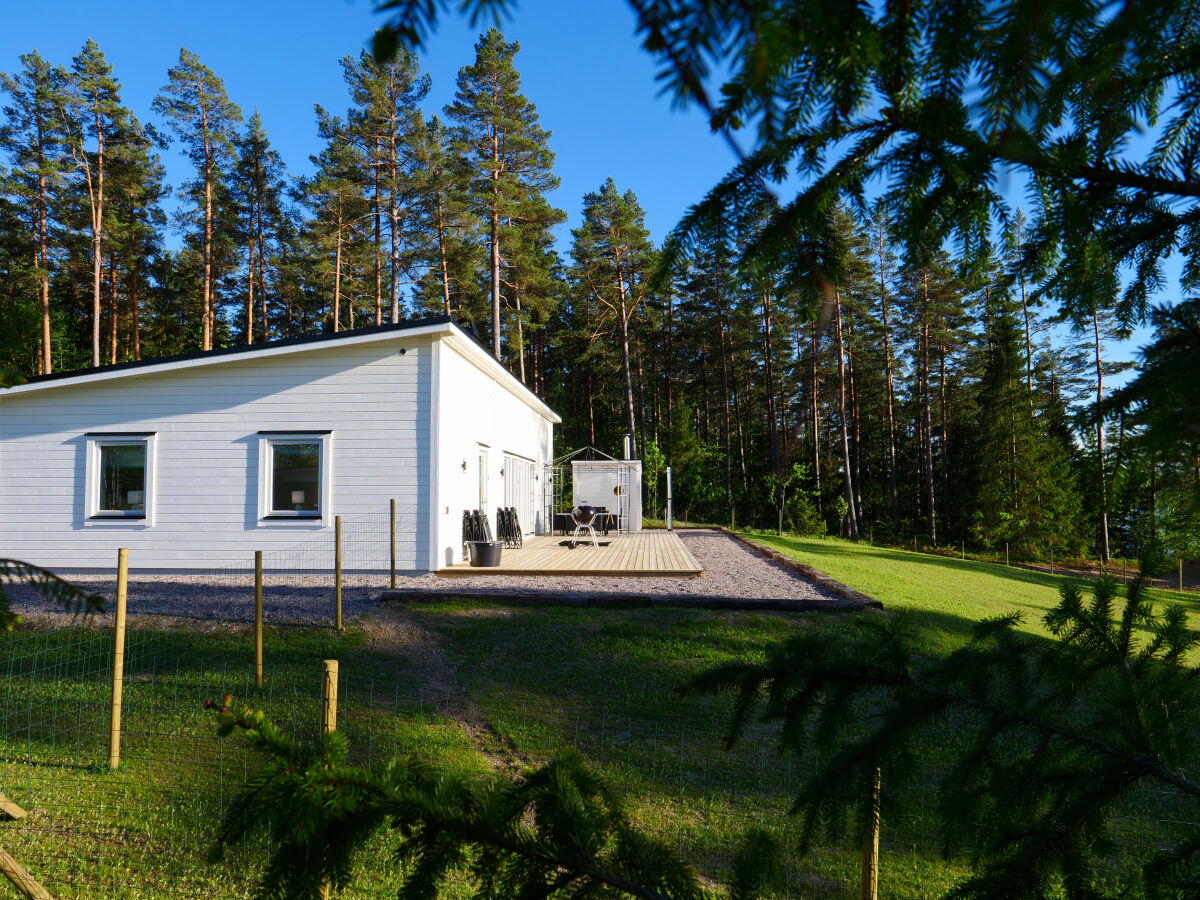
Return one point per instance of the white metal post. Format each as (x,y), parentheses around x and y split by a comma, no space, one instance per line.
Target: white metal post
(670,499)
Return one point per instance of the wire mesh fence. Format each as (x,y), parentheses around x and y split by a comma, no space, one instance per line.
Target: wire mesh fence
(300,579)
(143,830)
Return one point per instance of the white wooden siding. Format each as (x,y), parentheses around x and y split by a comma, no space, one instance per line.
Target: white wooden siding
(474,409)
(376,402)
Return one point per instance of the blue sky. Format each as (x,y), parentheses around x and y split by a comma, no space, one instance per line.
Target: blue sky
(593,87)
(581,65)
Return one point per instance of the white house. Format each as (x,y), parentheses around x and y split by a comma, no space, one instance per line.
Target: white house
(195,460)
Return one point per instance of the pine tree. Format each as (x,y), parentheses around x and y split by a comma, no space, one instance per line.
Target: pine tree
(33,135)
(498,133)
(442,192)
(195,104)
(137,190)
(385,126)
(95,113)
(334,195)
(19,285)
(612,257)
(258,183)
(1023,492)
(533,280)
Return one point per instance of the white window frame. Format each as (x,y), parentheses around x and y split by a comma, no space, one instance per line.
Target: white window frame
(266,471)
(94,514)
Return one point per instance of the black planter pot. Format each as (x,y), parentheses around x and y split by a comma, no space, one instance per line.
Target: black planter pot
(485,553)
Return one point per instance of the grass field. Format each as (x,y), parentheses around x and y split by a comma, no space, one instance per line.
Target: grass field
(472,688)
(143,831)
(944,596)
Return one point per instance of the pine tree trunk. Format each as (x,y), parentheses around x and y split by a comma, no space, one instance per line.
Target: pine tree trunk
(207,301)
(134,311)
(891,394)
(495,237)
(377,249)
(629,417)
(520,336)
(394,217)
(813,388)
(1103,481)
(854,415)
(250,292)
(441,233)
(97,280)
(262,276)
(112,308)
(772,432)
(742,410)
(945,437)
(42,256)
(725,409)
(591,405)
(394,211)
(1028,328)
(927,412)
(97,248)
(670,399)
(852,512)
(337,274)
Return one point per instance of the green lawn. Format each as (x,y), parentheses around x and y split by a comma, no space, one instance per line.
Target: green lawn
(603,681)
(945,596)
(143,830)
(484,686)
(526,683)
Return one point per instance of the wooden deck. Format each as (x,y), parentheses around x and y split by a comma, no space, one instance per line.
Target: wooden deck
(644,553)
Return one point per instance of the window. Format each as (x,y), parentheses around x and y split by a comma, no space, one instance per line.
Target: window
(294,469)
(120,477)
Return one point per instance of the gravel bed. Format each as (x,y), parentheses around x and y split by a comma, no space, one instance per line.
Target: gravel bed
(731,570)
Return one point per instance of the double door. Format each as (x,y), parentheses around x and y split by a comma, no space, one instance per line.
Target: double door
(520,487)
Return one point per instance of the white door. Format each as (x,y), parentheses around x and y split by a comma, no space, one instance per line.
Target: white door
(519,487)
(483,481)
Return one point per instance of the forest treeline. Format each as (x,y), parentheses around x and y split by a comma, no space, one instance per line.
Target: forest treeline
(944,401)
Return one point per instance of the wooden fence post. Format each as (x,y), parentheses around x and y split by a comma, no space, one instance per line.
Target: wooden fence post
(869,881)
(337,567)
(329,696)
(393,530)
(329,721)
(1006,553)
(258,619)
(24,883)
(1181,574)
(114,721)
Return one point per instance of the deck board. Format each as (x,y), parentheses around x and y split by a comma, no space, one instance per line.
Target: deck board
(654,553)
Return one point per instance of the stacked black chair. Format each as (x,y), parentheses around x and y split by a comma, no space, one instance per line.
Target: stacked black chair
(476,526)
(508,527)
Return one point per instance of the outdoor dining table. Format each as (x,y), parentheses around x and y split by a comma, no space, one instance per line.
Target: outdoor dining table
(564,524)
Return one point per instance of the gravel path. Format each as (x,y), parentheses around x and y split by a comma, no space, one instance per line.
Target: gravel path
(731,570)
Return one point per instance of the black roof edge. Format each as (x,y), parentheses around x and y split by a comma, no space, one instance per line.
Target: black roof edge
(406,325)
